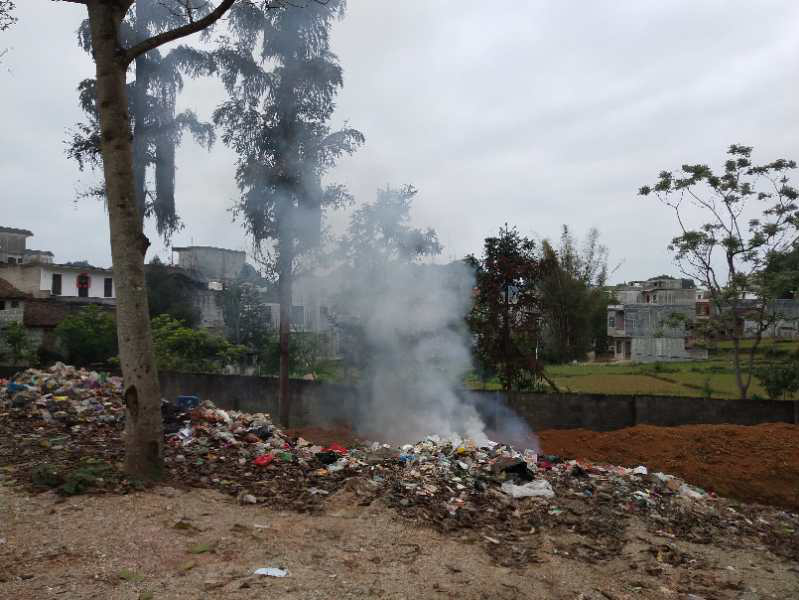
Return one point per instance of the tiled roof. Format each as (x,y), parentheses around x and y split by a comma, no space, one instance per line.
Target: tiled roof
(9,291)
(49,313)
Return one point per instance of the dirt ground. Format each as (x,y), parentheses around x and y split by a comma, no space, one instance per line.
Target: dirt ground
(198,544)
(754,464)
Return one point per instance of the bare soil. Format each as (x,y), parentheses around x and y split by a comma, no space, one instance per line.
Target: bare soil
(197,544)
(753,464)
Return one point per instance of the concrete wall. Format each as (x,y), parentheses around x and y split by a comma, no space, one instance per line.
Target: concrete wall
(23,277)
(12,245)
(323,403)
(312,403)
(10,314)
(217,264)
(209,305)
(653,349)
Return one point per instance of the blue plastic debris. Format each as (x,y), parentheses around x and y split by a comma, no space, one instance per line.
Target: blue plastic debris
(187,402)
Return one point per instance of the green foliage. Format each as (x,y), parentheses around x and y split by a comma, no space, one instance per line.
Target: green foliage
(379,232)
(780,376)
(88,336)
(19,350)
(306,355)
(7,18)
(157,126)
(573,299)
(181,348)
(282,80)
(247,315)
(87,474)
(752,220)
(170,292)
(505,316)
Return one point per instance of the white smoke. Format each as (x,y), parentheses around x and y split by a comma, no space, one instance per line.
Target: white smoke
(408,321)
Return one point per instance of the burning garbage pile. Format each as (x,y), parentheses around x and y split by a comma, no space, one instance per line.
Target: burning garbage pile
(62,428)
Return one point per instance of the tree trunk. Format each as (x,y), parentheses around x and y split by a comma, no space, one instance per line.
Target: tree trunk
(143,425)
(284,268)
(139,116)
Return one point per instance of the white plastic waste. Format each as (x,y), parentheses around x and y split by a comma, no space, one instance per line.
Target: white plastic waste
(640,470)
(539,487)
(687,491)
(271,572)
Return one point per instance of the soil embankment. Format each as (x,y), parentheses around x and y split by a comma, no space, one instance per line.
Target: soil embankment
(755,464)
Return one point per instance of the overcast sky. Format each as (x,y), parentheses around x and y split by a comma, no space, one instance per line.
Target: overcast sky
(531,113)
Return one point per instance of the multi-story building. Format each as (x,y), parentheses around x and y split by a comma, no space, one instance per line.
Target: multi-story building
(651,320)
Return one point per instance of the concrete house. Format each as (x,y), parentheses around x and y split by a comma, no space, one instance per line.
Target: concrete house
(651,321)
(12,303)
(39,293)
(35,272)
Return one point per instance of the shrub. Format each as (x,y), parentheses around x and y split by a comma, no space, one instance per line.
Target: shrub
(89,336)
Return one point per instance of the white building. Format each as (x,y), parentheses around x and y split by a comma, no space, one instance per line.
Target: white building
(80,282)
(33,272)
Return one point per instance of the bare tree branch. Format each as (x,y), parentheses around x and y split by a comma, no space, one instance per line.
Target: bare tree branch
(179,32)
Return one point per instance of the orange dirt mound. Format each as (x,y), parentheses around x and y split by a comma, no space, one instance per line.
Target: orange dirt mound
(754,464)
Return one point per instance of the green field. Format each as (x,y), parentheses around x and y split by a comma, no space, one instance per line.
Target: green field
(710,378)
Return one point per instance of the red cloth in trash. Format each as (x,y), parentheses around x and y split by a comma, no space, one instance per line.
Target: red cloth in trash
(337,448)
(264,459)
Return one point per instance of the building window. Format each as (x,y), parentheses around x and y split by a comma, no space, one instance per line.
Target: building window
(298,316)
(15,304)
(108,287)
(612,322)
(2,304)
(56,285)
(12,260)
(84,281)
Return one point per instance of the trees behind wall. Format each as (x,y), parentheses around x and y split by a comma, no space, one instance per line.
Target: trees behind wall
(282,79)
(573,299)
(378,245)
(88,337)
(171,292)
(15,346)
(506,316)
(751,219)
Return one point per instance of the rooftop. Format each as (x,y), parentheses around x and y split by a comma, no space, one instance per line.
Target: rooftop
(187,248)
(24,232)
(80,267)
(9,291)
(49,313)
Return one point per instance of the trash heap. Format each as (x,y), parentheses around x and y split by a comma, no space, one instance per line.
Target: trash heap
(62,428)
(65,394)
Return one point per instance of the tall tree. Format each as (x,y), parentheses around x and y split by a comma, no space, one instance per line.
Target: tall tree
(506,312)
(573,300)
(379,244)
(157,128)
(7,18)
(752,217)
(282,80)
(113,57)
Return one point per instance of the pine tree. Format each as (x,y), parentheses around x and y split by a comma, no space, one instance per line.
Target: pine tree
(282,79)
(156,125)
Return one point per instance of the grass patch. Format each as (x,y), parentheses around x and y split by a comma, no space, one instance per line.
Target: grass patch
(714,378)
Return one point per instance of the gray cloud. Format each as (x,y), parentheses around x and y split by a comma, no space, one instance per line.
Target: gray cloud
(534,113)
